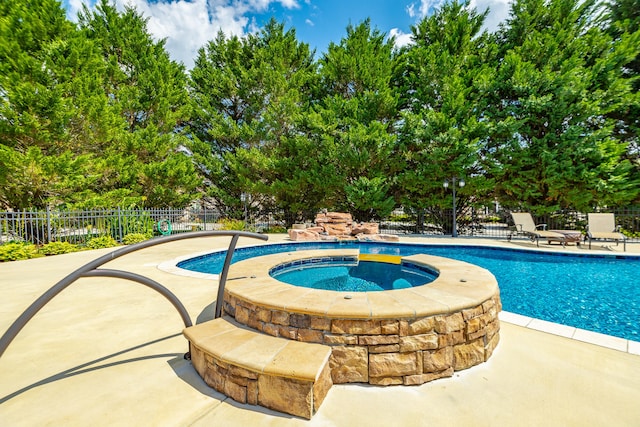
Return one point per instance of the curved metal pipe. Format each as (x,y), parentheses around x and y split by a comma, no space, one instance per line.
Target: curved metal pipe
(127,275)
(37,305)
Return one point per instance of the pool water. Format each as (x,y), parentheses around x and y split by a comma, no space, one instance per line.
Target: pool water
(364,276)
(593,292)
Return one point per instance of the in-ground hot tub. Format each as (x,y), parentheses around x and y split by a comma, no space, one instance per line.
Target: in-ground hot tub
(402,336)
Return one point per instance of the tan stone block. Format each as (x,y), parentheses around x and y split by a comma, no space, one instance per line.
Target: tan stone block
(453,338)
(349,364)
(299,320)
(252,393)
(320,323)
(310,335)
(321,387)
(419,342)
(263,315)
(301,235)
(403,325)
(488,305)
(468,355)
(498,302)
(214,379)
(356,327)
(365,228)
(389,327)
(391,348)
(337,229)
(339,216)
(422,326)
(270,329)
(288,332)
(450,323)
(280,318)
(242,372)
(493,328)
(425,378)
(438,360)
(286,395)
(242,314)
(241,381)
(393,364)
(490,346)
(378,339)
(341,339)
(385,380)
(474,336)
(253,321)
(235,391)
(470,313)
(474,325)
(198,360)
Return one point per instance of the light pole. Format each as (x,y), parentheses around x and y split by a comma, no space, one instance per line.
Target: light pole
(445,184)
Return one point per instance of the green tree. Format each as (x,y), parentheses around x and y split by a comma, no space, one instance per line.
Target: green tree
(144,156)
(358,107)
(249,95)
(557,78)
(42,62)
(623,24)
(442,75)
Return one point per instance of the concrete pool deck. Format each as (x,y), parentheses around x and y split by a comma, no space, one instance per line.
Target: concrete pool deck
(109,352)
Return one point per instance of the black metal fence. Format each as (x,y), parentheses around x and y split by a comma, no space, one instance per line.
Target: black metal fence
(78,227)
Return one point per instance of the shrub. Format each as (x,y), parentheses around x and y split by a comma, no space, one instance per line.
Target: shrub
(276,229)
(101,242)
(17,251)
(57,248)
(232,224)
(133,238)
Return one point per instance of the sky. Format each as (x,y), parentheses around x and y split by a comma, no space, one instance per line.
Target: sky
(189,25)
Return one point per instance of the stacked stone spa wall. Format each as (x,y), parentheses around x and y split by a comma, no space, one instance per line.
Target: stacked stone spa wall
(386,351)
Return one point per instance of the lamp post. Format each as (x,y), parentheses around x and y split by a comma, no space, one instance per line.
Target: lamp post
(445,184)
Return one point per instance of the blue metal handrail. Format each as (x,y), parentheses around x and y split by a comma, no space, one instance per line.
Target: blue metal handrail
(91,270)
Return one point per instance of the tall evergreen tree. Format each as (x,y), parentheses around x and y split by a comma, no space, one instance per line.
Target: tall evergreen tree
(442,75)
(249,95)
(358,111)
(557,79)
(143,159)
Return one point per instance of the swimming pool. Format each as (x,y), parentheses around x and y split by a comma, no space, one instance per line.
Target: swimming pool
(599,293)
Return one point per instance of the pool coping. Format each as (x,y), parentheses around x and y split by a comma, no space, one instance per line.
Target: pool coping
(595,338)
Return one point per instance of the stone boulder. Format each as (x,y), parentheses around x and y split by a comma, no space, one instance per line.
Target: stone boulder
(365,228)
(378,238)
(298,235)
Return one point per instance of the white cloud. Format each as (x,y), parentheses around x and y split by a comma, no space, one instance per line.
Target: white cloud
(402,39)
(189,25)
(309,22)
(498,10)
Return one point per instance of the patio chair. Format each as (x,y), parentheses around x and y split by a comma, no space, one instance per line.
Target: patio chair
(525,225)
(602,226)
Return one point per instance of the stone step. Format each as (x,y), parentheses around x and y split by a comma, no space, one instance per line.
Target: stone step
(250,367)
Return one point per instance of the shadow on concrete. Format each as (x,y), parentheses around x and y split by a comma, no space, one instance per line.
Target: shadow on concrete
(89,366)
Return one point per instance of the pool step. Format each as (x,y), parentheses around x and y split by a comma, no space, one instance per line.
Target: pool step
(258,369)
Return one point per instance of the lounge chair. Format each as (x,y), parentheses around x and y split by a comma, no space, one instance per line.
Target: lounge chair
(602,226)
(525,225)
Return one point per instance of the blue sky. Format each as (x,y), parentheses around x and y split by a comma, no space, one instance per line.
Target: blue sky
(188,25)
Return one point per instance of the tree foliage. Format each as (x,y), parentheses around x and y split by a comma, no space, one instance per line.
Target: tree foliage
(542,114)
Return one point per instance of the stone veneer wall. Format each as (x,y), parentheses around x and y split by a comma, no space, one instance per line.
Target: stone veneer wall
(405,351)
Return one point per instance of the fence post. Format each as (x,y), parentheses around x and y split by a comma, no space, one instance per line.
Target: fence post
(48,224)
(120,224)
(204,214)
